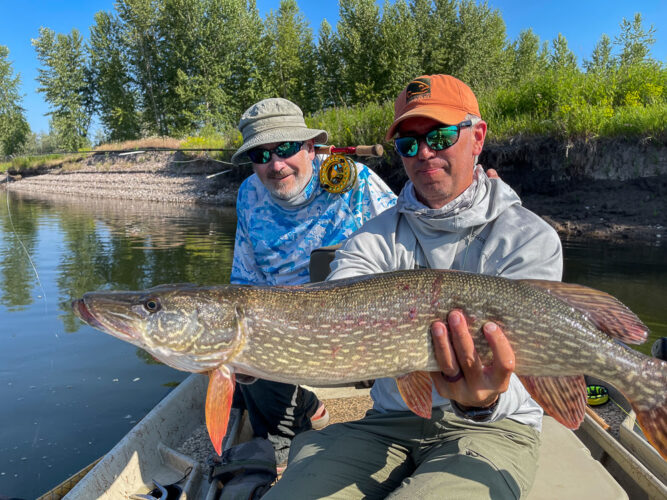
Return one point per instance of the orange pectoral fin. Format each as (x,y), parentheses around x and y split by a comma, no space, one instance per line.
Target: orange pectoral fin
(564,398)
(219,404)
(415,389)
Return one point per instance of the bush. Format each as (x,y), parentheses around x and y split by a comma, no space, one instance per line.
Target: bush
(626,101)
(25,164)
(351,126)
(209,137)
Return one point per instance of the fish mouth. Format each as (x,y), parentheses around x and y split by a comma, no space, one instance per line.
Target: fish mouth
(85,314)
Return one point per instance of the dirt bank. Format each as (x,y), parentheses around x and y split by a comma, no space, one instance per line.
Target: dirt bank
(576,206)
(608,188)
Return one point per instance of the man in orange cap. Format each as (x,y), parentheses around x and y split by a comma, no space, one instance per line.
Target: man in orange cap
(482,440)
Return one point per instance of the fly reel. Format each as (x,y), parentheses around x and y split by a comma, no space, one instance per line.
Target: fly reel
(597,395)
(338,174)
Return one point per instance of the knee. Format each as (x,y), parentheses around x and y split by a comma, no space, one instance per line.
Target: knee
(301,442)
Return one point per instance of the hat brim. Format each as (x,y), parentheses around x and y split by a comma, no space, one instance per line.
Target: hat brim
(282,134)
(446,116)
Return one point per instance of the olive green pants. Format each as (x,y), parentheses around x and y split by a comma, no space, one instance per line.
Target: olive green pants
(400,455)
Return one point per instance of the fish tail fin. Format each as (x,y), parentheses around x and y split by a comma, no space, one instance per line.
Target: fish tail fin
(653,422)
(648,399)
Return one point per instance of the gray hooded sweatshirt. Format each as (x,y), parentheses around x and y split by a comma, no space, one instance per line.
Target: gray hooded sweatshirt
(485,230)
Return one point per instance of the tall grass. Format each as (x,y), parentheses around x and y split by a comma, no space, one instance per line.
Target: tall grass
(145,143)
(351,126)
(209,137)
(629,102)
(25,163)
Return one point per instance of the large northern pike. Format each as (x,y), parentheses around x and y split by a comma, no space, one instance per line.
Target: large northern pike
(378,326)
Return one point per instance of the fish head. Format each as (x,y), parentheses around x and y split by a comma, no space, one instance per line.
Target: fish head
(188,328)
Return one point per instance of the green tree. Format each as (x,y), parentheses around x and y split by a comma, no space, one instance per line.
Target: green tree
(561,57)
(330,88)
(182,24)
(111,84)
(526,61)
(195,63)
(635,41)
(359,39)
(601,60)
(435,35)
(292,55)
(41,142)
(14,128)
(249,59)
(398,59)
(143,39)
(227,79)
(479,46)
(63,81)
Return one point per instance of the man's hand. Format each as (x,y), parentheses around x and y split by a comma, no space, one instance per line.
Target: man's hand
(463,378)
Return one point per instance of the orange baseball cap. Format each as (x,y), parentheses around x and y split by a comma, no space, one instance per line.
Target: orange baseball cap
(440,97)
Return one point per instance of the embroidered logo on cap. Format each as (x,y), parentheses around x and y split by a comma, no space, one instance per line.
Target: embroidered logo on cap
(419,88)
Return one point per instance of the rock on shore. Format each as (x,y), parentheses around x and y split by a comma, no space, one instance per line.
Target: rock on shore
(153,176)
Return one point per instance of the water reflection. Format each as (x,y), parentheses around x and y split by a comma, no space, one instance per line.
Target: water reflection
(114,244)
(17,278)
(635,274)
(71,391)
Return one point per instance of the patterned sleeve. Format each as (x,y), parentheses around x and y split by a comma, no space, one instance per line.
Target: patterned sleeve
(244,268)
(372,196)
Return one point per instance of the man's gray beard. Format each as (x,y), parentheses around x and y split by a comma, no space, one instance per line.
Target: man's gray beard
(291,193)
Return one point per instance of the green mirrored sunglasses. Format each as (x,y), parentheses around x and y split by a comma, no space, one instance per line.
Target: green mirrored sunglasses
(439,138)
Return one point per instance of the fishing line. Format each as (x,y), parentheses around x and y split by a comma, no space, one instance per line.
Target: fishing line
(619,406)
(11,221)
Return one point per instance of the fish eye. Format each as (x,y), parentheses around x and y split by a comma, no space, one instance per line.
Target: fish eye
(152,305)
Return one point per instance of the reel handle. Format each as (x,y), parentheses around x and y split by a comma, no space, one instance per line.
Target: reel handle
(374,150)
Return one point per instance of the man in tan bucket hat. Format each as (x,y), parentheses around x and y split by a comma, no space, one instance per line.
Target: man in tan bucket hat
(482,440)
(283,215)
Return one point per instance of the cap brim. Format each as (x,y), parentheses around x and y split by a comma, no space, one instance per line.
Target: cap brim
(279,135)
(446,116)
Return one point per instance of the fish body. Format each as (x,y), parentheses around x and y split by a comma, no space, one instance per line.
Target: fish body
(379,326)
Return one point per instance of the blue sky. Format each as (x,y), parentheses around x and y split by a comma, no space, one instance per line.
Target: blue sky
(582,22)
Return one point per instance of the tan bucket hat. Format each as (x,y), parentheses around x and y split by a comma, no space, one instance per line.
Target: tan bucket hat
(274,120)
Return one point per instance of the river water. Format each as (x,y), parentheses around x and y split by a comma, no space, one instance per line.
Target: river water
(68,393)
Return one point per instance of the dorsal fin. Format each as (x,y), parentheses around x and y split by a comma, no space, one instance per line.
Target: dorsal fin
(606,312)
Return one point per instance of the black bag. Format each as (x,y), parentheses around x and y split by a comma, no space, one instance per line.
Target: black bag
(245,471)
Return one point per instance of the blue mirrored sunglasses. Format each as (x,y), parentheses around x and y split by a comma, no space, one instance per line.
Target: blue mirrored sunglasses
(283,150)
(439,138)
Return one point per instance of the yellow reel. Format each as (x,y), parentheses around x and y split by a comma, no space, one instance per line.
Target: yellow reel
(597,395)
(338,174)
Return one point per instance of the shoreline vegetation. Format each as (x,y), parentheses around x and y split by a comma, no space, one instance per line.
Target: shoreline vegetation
(583,142)
(187,70)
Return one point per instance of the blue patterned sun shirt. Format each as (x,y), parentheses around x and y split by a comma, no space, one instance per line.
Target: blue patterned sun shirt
(274,240)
